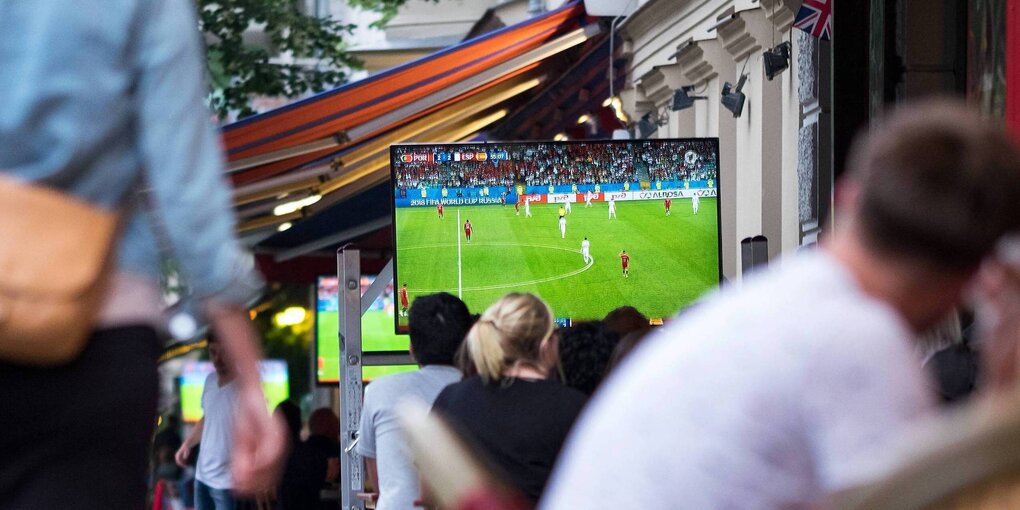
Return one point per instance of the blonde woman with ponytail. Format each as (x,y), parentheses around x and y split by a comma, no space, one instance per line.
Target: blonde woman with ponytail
(511,411)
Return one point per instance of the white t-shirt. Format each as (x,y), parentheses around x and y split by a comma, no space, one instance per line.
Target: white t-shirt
(380,436)
(767,397)
(612,204)
(584,246)
(218,404)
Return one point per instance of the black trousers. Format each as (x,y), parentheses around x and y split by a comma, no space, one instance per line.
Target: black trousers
(77,436)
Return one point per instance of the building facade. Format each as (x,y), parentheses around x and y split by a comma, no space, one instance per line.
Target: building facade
(775,157)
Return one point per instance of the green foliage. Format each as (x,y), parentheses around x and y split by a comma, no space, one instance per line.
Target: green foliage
(241,71)
(388,9)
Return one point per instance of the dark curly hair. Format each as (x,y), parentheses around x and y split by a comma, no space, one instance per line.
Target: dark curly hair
(585,352)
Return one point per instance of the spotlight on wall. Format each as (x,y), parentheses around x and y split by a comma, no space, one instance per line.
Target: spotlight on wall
(682,98)
(560,137)
(733,100)
(776,60)
(646,126)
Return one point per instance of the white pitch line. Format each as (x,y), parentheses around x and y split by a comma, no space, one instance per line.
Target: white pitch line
(460,289)
(460,274)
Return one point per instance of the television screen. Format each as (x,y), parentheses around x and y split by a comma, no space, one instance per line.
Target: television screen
(376,331)
(273,373)
(588,226)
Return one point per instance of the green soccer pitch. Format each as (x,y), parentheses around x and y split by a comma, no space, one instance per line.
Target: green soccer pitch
(673,259)
(376,335)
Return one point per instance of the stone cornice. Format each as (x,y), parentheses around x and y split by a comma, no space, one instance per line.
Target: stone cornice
(695,66)
(658,84)
(779,13)
(748,32)
(653,13)
(736,37)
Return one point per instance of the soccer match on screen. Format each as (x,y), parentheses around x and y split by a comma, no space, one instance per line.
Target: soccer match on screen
(586,226)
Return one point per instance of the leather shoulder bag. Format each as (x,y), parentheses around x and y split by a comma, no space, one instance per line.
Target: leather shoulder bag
(56,254)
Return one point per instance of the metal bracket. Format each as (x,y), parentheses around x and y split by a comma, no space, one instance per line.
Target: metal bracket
(378,286)
(348,271)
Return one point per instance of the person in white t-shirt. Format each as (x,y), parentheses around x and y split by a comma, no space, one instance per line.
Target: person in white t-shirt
(215,432)
(563,227)
(586,250)
(612,208)
(796,385)
(527,207)
(695,202)
(438,324)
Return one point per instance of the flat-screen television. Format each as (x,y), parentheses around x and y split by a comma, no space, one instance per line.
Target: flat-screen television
(273,373)
(376,331)
(560,220)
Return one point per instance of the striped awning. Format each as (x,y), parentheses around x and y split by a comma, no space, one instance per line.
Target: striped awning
(334,146)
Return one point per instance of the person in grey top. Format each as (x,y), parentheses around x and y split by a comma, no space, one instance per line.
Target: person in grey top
(104,101)
(437,325)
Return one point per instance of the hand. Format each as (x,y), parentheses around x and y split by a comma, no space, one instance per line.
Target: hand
(1000,324)
(260,444)
(181,457)
(332,469)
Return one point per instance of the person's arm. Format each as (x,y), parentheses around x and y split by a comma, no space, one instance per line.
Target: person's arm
(193,437)
(372,474)
(181,156)
(189,198)
(366,437)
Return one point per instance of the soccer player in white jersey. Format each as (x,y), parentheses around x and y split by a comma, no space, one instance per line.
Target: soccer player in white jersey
(612,208)
(694,203)
(566,205)
(527,207)
(586,250)
(588,195)
(563,227)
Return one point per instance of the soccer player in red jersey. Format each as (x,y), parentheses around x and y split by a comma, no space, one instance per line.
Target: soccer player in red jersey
(668,203)
(404,302)
(439,209)
(467,230)
(625,261)
(517,206)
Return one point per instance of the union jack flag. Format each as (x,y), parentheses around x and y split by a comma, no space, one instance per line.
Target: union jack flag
(815,18)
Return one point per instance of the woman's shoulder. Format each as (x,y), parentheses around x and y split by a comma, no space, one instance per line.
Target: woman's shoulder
(563,393)
(457,390)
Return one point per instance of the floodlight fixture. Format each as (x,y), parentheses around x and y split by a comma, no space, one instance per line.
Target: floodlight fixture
(646,126)
(682,98)
(733,98)
(776,60)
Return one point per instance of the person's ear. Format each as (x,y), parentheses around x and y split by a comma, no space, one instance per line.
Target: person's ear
(847,193)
